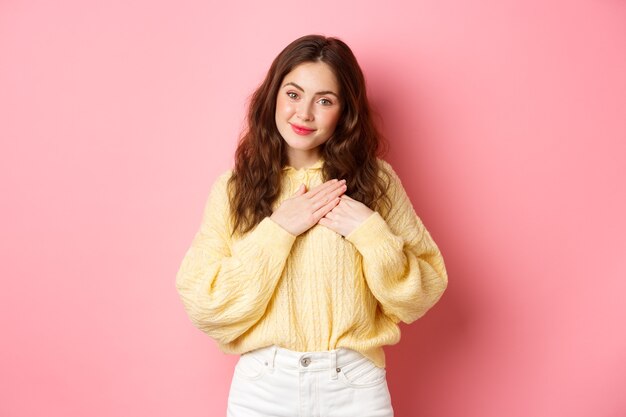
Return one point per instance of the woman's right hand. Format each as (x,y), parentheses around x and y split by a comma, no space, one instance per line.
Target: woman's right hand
(303,210)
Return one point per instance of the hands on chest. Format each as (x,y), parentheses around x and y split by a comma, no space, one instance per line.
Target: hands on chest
(325,204)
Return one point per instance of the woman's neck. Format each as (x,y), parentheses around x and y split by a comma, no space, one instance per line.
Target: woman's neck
(303,161)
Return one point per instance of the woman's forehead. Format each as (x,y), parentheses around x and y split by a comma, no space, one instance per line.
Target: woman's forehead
(312,76)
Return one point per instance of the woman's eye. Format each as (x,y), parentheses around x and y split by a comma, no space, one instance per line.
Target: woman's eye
(325,102)
(292,95)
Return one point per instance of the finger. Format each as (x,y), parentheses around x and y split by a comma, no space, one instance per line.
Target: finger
(331,215)
(322,211)
(339,209)
(322,186)
(335,191)
(324,222)
(301,190)
(322,198)
(349,202)
(347,197)
(328,186)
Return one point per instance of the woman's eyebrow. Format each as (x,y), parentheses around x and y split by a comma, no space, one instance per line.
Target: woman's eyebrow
(318,93)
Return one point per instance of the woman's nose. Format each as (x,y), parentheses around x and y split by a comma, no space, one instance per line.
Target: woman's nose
(304,112)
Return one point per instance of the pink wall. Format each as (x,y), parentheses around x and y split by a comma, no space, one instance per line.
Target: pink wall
(507,125)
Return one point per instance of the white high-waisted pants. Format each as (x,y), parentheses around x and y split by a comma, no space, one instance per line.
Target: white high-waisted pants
(278,382)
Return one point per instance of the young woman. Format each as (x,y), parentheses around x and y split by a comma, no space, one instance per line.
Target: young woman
(309,253)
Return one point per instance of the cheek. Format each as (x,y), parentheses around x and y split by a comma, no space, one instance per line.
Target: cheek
(332,119)
(283,107)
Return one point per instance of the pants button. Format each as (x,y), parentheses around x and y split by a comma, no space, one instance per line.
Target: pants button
(305,361)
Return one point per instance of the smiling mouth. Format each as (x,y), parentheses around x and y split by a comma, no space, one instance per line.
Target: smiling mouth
(301,130)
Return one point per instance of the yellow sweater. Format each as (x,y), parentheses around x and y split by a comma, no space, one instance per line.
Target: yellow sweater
(317,291)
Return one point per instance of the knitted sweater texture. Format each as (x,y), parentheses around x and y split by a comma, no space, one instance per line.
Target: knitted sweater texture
(312,292)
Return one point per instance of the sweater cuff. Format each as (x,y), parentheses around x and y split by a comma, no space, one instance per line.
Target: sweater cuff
(370,233)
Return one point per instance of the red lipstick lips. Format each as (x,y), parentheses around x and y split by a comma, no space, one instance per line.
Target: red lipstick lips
(301,130)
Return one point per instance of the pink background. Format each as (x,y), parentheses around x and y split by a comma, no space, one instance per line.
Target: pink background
(507,125)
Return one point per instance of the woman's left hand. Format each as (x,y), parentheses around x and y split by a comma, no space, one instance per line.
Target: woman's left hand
(346,216)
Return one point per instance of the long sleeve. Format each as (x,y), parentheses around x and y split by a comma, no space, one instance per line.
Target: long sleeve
(225,287)
(401,263)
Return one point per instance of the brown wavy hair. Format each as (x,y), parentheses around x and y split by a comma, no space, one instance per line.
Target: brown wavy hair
(349,153)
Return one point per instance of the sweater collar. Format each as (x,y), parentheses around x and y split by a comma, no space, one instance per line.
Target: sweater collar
(316,166)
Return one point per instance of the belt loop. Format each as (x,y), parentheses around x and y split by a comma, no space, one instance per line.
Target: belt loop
(333,364)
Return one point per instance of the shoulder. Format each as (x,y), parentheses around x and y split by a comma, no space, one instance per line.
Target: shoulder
(221,181)
(225,175)
(218,191)
(395,190)
(387,173)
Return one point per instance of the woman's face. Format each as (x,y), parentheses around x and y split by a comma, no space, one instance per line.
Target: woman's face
(307,111)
